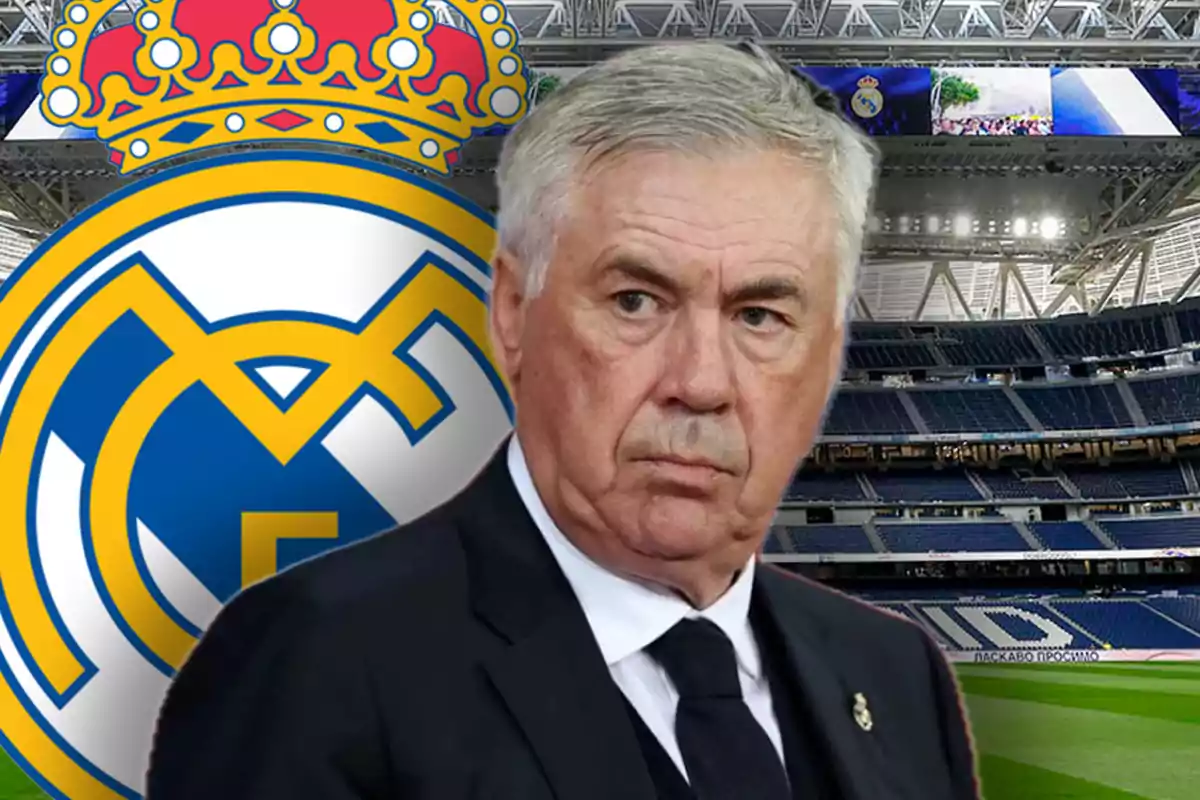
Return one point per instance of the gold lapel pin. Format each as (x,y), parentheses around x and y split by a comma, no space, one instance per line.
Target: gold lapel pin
(862,714)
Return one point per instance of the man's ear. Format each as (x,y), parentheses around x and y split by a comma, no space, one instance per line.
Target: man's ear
(506,314)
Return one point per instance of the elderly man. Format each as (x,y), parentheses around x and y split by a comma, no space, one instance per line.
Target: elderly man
(679,231)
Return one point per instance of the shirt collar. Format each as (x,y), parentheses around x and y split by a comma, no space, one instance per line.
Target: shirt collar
(626,615)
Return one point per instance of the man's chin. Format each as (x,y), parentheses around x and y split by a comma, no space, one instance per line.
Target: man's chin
(678,529)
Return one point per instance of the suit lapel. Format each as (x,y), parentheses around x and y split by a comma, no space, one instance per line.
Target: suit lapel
(549,671)
(819,675)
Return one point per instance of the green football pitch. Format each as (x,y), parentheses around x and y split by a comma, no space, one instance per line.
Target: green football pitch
(1071,732)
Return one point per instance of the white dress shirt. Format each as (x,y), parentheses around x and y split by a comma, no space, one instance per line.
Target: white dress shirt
(626,616)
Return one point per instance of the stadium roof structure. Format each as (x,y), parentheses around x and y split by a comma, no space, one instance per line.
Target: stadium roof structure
(958,226)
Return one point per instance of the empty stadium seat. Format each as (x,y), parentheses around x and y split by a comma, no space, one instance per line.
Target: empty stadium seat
(1166,401)
(967,411)
(1115,482)
(924,486)
(952,537)
(1154,534)
(828,539)
(859,412)
(1077,407)
(1066,536)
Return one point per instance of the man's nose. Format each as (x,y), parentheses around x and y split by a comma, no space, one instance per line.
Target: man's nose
(699,370)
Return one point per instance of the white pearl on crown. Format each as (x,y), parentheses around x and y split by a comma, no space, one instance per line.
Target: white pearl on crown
(403,53)
(166,53)
(284,39)
(505,101)
(63,102)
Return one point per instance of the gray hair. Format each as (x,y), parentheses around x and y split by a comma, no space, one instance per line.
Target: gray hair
(676,97)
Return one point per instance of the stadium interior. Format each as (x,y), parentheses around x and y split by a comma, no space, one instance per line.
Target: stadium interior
(1012,459)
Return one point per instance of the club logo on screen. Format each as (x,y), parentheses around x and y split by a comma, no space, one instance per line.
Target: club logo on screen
(234,363)
(867,101)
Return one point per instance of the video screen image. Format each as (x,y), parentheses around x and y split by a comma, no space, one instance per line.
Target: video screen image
(991,101)
(883,101)
(1189,102)
(1106,101)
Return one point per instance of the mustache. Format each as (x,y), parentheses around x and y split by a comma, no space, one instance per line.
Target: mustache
(696,440)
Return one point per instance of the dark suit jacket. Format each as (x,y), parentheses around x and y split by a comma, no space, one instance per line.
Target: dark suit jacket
(449,659)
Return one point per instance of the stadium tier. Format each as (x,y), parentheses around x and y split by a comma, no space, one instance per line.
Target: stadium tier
(987,535)
(924,486)
(1114,334)
(1080,406)
(983,623)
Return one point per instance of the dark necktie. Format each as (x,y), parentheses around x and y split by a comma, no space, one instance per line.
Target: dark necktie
(727,753)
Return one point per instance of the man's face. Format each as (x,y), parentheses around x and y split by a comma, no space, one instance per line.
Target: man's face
(673,370)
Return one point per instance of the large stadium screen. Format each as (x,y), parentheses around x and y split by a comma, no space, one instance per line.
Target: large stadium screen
(991,101)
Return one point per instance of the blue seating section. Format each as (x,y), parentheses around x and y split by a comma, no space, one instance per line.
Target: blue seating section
(1077,407)
(828,539)
(856,413)
(967,411)
(1072,406)
(865,331)
(1066,536)
(773,544)
(1153,534)
(1120,623)
(1004,344)
(1118,482)
(1167,401)
(1188,321)
(1126,623)
(1006,484)
(889,356)
(988,345)
(923,487)
(815,486)
(952,537)
(1080,337)
(1184,609)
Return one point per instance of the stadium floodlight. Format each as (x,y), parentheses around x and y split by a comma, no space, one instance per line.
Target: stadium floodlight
(1020,227)
(1050,227)
(932,224)
(962,225)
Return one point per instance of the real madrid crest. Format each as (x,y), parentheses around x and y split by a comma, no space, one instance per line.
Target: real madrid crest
(867,102)
(237,362)
(862,714)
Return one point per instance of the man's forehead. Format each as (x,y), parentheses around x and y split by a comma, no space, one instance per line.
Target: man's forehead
(720,189)
(771,212)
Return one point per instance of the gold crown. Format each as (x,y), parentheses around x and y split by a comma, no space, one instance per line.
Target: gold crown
(868,82)
(189,110)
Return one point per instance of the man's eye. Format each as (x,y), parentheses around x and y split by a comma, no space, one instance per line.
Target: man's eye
(634,302)
(757,317)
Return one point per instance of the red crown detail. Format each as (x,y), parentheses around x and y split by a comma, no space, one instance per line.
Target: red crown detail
(385,75)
